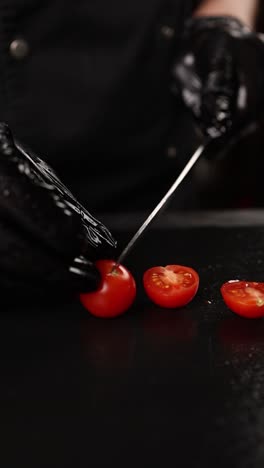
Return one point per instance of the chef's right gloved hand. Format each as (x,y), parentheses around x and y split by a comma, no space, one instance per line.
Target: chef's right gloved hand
(219,73)
(48,241)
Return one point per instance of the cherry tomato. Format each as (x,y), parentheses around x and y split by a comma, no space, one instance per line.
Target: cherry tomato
(245,298)
(171,286)
(116,291)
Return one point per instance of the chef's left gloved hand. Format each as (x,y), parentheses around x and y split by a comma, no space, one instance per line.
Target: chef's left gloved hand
(49,242)
(220,74)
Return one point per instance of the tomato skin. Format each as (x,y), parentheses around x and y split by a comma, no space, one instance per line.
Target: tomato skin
(244,298)
(116,292)
(172,286)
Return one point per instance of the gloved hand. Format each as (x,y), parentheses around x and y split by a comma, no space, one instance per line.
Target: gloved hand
(220,74)
(48,241)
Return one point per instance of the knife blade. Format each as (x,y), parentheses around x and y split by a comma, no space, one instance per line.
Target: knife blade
(164,201)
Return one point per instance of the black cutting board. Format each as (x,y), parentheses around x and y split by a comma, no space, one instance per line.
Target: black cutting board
(153,388)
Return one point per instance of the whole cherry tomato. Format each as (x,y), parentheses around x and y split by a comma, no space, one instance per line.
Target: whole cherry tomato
(116,292)
(245,298)
(171,286)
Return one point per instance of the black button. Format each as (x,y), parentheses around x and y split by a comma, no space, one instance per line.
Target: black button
(19,49)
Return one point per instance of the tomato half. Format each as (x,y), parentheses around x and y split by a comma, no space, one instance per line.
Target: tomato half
(245,298)
(171,286)
(116,292)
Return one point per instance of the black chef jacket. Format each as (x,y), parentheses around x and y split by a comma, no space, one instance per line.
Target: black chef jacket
(86,84)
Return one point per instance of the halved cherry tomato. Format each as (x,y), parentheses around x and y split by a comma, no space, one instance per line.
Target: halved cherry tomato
(245,298)
(116,291)
(171,286)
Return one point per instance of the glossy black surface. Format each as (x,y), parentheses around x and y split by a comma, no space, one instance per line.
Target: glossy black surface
(154,388)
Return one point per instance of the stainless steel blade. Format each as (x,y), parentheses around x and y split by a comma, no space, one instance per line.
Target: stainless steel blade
(162,204)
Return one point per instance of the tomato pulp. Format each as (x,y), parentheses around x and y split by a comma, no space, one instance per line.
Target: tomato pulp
(245,298)
(171,286)
(116,292)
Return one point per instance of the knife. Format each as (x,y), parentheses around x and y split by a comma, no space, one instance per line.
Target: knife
(164,201)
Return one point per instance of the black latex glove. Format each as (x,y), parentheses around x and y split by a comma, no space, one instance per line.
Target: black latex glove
(220,74)
(48,241)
